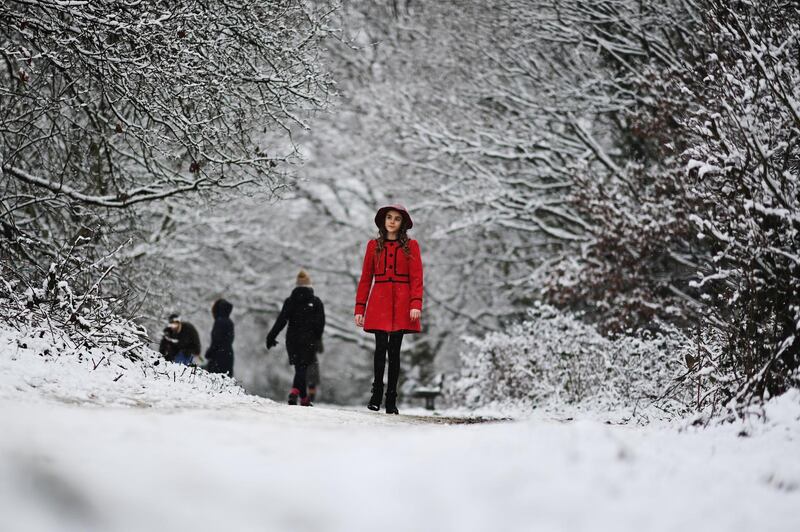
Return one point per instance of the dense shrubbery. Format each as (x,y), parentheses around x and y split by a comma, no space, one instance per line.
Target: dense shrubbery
(88,318)
(554,359)
(672,130)
(699,220)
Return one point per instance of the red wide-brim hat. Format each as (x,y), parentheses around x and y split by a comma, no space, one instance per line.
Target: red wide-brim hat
(381,215)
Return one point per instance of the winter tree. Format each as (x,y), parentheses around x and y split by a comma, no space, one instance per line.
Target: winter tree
(111,108)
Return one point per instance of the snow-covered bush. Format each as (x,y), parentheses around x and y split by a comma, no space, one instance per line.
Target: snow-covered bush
(553,359)
(74,347)
(49,363)
(697,221)
(743,150)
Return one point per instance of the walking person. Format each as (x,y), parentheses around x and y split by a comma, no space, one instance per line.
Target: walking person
(305,314)
(389,297)
(220,353)
(180,342)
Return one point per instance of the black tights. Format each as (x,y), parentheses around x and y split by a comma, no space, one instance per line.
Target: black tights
(387,343)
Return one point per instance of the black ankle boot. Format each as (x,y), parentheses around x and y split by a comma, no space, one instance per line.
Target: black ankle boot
(375,400)
(391,403)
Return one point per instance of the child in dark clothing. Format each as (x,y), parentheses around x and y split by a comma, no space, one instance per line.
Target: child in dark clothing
(220,352)
(180,342)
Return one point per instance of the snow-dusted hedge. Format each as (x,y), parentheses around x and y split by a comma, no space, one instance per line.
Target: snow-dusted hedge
(37,361)
(553,359)
(57,344)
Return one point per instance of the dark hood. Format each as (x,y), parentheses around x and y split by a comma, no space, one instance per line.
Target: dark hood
(222,308)
(302,294)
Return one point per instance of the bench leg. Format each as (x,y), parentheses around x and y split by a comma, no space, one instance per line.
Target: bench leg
(429,403)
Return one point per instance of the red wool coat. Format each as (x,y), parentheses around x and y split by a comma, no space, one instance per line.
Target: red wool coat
(390,286)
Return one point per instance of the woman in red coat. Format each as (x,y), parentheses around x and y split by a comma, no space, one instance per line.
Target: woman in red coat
(389,297)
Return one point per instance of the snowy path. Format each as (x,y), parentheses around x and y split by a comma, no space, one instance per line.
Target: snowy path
(273,468)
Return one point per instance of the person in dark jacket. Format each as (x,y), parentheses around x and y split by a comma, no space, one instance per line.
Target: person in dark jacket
(305,314)
(220,352)
(180,342)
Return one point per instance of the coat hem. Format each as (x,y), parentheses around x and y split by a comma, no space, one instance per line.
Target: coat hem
(404,331)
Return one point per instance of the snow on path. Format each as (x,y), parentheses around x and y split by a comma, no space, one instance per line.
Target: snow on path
(270,467)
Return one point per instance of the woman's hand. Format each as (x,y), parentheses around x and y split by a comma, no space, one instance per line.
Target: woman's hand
(415,314)
(359,320)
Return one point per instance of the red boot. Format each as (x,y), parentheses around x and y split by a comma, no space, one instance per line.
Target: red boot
(293,394)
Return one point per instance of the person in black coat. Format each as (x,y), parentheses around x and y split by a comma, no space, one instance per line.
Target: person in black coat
(305,314)
(180,342)
(220,352)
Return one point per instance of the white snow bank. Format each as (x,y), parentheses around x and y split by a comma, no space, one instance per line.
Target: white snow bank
(780,413)
(39,363)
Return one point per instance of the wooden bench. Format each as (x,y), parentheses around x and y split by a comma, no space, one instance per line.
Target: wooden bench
(429,394)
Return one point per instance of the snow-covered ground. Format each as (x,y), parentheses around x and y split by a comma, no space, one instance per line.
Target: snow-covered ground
(73,459)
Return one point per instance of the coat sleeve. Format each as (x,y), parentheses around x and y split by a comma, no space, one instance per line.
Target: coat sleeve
(365,283)
(415,276)
(193,342)
(280,323)
(320,319)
